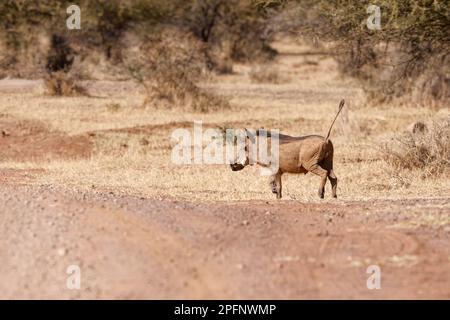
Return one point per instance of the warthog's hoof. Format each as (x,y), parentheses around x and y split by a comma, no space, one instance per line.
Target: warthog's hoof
(321,194)
(273,187)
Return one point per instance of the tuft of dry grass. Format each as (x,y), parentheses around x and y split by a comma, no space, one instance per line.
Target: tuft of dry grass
(427,149)
(62,84)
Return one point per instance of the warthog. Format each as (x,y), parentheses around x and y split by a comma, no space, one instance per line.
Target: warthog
(305,154)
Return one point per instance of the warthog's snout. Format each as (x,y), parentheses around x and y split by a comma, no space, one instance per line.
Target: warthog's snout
(237,166)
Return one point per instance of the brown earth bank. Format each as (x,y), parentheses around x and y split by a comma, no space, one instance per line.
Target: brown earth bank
(134,247)
(27,140)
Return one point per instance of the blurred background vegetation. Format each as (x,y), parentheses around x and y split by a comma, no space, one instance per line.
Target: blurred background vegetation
(157,42)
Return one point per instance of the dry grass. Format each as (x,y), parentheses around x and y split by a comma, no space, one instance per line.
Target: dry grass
(427,149)
(133,146)
(266,74)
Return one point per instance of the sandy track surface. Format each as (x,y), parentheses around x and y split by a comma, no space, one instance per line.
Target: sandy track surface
(131,247)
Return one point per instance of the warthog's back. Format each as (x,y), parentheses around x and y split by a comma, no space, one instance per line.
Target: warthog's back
(284,138)
(296,153)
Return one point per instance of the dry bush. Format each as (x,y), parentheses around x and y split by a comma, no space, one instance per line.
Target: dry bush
(24,59)
(407,59)
(60,57)
(168,66)
(62,84)
(21,51)
(232,30)
(26,29)
(428,150)
(228,29)
(218,59)
(432,88)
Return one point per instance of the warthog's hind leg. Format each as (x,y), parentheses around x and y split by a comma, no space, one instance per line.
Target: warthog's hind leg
(327,164)
(333,180)
(322,173)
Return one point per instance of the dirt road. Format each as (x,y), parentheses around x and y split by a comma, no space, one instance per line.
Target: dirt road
(130,247)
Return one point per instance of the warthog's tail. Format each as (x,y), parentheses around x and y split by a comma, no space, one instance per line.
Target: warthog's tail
(341,105)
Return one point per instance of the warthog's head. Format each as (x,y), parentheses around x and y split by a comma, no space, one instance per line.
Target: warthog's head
(256,147)
(242,159)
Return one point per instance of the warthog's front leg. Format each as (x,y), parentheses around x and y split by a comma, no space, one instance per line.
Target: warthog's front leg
(275,184)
